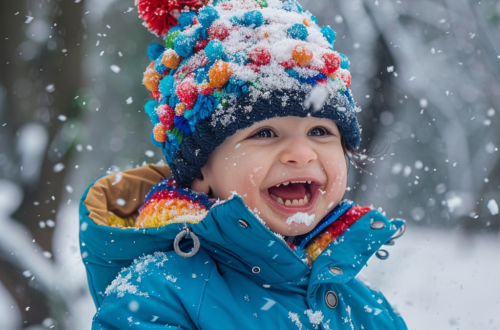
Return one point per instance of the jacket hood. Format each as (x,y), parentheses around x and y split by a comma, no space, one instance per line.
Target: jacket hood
(346,238)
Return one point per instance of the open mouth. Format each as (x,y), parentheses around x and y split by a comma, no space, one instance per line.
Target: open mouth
(294,194)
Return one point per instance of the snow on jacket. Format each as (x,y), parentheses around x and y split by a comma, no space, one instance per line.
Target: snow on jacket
(243,276)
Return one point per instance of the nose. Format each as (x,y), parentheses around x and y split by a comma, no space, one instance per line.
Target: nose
(297,150)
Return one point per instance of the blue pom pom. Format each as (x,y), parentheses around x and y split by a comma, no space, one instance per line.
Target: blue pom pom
(329,34)
(159,67)
(182,124)
(292,6)
(166,86)
(254,18)
(237,87)
(186,19)
(344,62)
(174,99)
(155,50)
(314,19)
(240,57)
(207,15)
(184,45)
(235,20)
(203,33)
(298,31)
(201,74)
(150,109)
(215,50)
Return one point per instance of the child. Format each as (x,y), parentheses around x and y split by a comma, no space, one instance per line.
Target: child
(251,231)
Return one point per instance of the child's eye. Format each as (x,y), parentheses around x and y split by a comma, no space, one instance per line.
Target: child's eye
(265,133)
(318,131)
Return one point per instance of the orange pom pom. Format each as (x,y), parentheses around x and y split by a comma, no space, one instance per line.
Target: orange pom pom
(302,55)
(219,74)
(151,79)
(170,59)
(179,109)
(159,133)
(343,74)
(306,22)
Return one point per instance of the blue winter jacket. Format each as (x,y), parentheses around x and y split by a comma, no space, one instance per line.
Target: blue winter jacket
(242,277)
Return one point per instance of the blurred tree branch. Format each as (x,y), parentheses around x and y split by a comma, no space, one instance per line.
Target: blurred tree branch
(25,77)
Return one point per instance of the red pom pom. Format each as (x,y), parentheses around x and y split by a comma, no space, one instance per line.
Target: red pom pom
(161,15)
(344,75)
(187,92)
(200,44)
(156,95)
(260,55)
(332,63)
(218,30)
(166,115)
(288,64)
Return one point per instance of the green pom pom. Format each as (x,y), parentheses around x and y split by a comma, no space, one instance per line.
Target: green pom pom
(262,3)
(169,40)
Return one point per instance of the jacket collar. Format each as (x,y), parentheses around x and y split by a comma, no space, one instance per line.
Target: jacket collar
(233,235)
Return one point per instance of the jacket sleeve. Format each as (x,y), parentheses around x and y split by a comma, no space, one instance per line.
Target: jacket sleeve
(106,250)
(139,312)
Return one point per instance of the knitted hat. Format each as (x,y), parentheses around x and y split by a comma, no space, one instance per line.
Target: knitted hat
(228,64)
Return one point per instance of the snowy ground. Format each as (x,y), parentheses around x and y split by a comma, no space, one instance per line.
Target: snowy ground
(442,280)
(437,279)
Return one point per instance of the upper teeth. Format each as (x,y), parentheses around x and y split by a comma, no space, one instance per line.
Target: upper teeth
(287,183)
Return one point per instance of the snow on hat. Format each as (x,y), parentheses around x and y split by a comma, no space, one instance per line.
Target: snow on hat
(228,64)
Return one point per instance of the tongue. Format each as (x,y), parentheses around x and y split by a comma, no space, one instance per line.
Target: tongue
(291,192)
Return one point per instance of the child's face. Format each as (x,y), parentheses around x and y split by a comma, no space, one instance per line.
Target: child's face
(253,161)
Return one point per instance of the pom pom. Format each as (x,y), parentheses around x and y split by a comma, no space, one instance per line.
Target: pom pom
(166,85)
(292,6)
(206,89)
(159,67)
(184,45)
(200,45)
(332,63)
(240,58)
(288,64)
(187,93)
(219,74)
(329,34)
(302,55)
(344,75)
(154,51)
(235,20)
(151,79)
(215,50)
(207,15)
(306,22)
(159,133)
(254,18)
(149,108)
(169,40)
(262,3)
(298,31)
(186,19)
(179,109)
(218,30)
(171,59)
(260,55)
(344,64)
(166,116)
(160,15)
